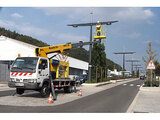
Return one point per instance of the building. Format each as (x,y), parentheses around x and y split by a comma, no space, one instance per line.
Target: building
(120,73)
(114,73)
(10,48)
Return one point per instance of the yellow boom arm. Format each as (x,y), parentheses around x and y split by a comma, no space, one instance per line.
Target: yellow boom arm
(43,51)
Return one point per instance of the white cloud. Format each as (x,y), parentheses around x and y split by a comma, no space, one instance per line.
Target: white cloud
(68,37)
(147,42)
(31,30)
(133,35)
(102,13)
(24,28)
(5,23)
(134,14)
(16,15)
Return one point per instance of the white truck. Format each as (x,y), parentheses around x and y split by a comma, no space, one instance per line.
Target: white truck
(36,73)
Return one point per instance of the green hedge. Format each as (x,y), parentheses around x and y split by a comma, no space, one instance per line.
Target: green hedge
(94,80)
(155,83)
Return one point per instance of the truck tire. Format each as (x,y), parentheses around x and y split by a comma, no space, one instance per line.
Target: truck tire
(68,89)
(45,90)
(19,91)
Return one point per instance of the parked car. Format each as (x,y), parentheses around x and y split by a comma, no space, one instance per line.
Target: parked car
(142,77)
(81,78)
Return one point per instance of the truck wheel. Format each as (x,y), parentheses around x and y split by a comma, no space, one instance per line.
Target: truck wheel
(19,91)
(45,90)
(68,89)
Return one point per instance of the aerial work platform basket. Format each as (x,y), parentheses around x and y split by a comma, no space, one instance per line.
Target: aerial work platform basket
(100,32)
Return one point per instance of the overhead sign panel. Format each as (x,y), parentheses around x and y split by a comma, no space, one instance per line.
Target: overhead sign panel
(151,65)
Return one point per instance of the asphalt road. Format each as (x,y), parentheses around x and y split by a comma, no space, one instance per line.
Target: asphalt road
(113,100)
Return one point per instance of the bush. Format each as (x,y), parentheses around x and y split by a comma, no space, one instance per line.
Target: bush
(93,81)
(155,83)
(107,79)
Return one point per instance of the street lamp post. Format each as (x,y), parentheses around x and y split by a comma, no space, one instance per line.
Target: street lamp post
(132,61)
(124,53)
(90,47)
(137,66)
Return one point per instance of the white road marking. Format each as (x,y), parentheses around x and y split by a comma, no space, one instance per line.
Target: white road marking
(138,85)
(131,85)
(124,84)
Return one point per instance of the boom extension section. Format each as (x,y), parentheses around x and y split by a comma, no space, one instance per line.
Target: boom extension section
(43,51)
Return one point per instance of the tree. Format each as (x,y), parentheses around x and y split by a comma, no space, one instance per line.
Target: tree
(150,56)
(79,53)
(98,55)
(133,73)
(137,73)
(98,60)
(157,70)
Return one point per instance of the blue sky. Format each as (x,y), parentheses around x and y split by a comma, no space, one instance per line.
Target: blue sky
(136,26)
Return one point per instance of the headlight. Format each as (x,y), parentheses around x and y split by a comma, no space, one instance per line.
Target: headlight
(12,79)
(32,80)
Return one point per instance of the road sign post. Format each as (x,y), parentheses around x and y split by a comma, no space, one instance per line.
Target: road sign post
(151,77)
(151,66)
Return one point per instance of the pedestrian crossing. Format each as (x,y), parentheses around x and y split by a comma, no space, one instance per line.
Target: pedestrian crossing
(131,85)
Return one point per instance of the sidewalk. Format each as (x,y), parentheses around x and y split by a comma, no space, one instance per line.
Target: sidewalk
(3,83)
(146,101)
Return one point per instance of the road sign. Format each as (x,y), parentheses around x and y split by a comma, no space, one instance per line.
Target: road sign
(151,65)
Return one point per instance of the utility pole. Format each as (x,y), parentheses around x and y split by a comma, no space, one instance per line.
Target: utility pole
(90,47)
(124,53)
(137,66)
(90,52)
(132,61)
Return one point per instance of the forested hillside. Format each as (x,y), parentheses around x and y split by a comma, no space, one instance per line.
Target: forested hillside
(20,37)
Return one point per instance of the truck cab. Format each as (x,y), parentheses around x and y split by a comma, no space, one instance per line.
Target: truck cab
(30,73)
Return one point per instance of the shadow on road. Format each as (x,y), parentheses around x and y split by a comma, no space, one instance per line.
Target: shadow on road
(36,94)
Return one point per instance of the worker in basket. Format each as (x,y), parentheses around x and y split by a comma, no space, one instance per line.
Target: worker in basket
(98,27)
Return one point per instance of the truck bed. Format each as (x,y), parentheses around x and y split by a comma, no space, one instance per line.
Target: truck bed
(65,79)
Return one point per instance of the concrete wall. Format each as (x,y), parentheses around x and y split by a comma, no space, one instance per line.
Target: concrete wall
(4,72)
(74,71)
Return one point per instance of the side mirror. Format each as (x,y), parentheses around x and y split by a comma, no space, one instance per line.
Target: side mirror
(9,65)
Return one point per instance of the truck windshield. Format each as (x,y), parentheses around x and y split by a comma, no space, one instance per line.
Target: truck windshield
(25,63)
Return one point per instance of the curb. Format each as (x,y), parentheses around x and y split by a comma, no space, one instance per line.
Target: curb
(103,83)
(3,85)
(150,89)
(95,84)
